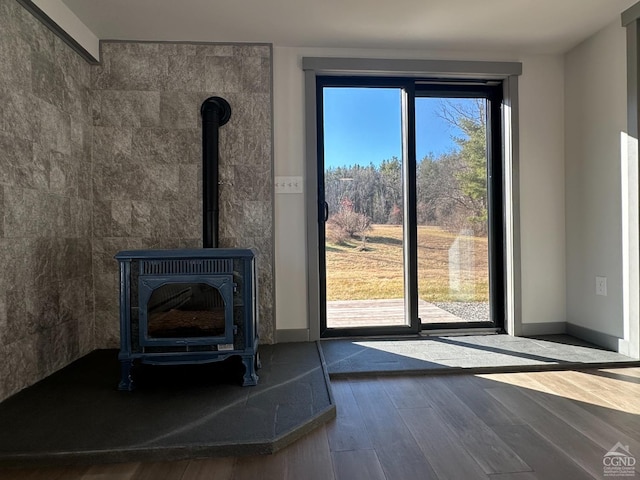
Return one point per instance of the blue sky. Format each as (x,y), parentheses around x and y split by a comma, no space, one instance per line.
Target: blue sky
(362,125)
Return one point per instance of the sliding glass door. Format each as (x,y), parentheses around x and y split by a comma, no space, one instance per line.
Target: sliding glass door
(410,205)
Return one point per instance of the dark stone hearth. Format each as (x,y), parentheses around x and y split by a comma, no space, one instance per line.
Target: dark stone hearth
(77,416)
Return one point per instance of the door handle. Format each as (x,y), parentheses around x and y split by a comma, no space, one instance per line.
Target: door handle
(326,211)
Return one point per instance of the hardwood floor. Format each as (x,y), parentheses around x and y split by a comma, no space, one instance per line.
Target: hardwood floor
(517,426)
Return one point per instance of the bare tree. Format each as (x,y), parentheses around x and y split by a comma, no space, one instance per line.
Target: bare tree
(347,223)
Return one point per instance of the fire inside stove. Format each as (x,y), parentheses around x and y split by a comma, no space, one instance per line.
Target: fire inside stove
(185,310)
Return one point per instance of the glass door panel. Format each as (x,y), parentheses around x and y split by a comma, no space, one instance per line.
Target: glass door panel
(363,194)
(452,210)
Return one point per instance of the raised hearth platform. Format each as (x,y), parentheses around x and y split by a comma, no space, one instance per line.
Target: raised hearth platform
(77,416)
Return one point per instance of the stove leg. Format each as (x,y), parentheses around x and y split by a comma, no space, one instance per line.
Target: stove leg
(250,378)
(126,380)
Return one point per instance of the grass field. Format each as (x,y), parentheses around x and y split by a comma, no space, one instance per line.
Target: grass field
(377,272)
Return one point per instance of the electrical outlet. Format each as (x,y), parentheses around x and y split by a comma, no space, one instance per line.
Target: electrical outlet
(601,286)
(288,184)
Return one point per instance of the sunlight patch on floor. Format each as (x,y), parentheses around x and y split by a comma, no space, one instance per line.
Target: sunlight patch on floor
(597,387)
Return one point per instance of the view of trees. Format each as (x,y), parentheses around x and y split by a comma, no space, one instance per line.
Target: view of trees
(451,188)
(347,223)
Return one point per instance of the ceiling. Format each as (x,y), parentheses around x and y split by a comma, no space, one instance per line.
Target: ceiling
(527,26)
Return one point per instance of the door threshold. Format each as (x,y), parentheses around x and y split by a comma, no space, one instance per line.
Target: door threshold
(455,332)
(449,332)
(400,336)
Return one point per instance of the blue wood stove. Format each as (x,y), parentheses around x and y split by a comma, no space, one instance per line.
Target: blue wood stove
(186,307)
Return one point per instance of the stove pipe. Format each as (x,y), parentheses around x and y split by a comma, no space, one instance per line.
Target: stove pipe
(215,112)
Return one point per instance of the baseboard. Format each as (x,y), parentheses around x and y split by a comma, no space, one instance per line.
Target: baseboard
(292,335)
(592,336)
(546,328)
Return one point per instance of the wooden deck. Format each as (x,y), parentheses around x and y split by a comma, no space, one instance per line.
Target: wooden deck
(377,313)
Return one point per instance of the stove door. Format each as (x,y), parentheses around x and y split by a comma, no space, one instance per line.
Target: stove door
(186,310)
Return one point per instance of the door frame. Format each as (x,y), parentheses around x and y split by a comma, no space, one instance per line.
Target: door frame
(506,72)
(412,89)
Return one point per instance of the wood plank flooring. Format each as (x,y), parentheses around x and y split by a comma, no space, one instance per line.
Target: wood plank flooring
(517,426)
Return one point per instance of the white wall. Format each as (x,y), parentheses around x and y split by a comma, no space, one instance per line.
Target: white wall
(289,229)
(595,98)
(542,214)
(541,166)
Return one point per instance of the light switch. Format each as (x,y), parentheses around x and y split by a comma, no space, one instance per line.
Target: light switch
(288,185)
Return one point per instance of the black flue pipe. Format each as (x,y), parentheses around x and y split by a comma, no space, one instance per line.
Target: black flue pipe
(215,112)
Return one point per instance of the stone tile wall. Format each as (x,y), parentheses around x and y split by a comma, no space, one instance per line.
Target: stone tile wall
(46,291)
(147,157)
(98,159)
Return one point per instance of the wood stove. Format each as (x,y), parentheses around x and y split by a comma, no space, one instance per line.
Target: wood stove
(188,306)
(191,305)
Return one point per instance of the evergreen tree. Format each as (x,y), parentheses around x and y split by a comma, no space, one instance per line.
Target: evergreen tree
(472,175)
